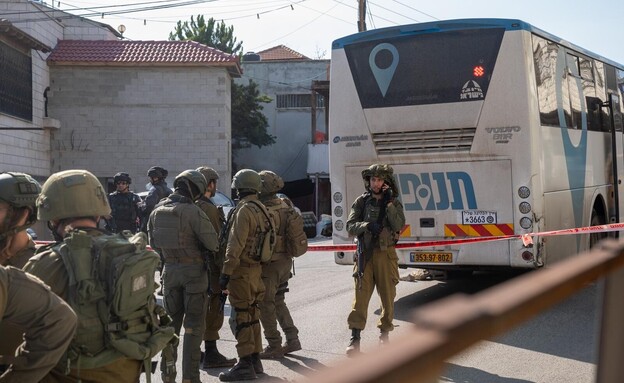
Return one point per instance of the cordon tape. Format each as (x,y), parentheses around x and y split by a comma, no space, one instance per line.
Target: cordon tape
(527,239)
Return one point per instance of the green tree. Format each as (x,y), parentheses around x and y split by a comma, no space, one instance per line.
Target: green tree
(211,33)
(248,123)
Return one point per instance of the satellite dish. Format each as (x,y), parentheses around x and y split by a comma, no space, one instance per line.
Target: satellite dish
(121,28)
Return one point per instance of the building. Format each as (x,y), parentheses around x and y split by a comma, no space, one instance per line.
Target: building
(297,117)
(73,94)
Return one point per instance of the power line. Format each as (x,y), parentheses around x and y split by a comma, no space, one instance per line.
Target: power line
(391,11)
(414,9)
(377,16)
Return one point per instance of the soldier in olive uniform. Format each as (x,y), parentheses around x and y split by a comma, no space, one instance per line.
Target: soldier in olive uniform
(181,232)
(275,275)
(376,218)
(242,275)
(74,200)
(157,191)
(33,320)
(214,315)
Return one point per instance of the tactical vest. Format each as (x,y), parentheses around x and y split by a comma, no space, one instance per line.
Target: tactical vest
(291,240)
(111,289)
(124,210)
(258,247)
(170,234)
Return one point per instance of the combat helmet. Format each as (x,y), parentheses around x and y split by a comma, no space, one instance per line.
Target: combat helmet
(20,190)
(72,193)
(247,179)
(121,176)
(208,173)
(157,172)
(382,171)
(271,182)
(192,178)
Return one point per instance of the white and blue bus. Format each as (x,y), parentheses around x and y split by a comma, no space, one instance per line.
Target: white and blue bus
(493,127)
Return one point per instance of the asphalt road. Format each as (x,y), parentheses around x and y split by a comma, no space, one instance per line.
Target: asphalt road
(557,346)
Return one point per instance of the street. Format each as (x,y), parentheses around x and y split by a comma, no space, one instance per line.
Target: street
(557,346)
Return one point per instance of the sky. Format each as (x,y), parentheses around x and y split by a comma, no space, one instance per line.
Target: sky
(310,26)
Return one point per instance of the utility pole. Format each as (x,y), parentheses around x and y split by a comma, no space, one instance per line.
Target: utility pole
(361,15)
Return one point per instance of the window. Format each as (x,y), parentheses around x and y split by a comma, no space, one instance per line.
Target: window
(291,101)
(15,83)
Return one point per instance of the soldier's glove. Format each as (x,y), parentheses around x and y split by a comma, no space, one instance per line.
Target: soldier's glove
(224,279)
(374,227)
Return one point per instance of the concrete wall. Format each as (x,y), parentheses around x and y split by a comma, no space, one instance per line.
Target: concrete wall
(292,127)
(131,118)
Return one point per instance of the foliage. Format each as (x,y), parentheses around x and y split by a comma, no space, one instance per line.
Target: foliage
(210,33)
(249,125)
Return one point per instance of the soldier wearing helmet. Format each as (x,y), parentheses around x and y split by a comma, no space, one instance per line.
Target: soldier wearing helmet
(73,202)
(376,219)
(18,194)
(214,315)
(34,322)
(241,276)
(125,206)
(182,234)
(275,275)
(157,192)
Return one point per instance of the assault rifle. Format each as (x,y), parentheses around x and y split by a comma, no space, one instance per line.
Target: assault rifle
(366,241)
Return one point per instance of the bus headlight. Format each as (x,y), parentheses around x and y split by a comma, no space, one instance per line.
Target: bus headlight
(524,192)
(526,223)
(525,207)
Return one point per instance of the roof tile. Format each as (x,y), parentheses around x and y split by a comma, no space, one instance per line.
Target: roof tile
(281,52)
(138,52)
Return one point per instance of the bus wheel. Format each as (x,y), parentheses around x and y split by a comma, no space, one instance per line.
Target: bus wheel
(596,219)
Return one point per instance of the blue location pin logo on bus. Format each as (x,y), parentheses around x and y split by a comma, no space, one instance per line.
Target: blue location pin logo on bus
(383,76)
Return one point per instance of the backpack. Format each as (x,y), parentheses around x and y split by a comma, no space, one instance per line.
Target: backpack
(266,237)
(291,229)
(111,289)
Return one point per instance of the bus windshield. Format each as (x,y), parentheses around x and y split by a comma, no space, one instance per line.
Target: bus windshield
(425,70)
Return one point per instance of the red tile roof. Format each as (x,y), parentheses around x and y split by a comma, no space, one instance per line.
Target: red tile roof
(122,52)
(281,52)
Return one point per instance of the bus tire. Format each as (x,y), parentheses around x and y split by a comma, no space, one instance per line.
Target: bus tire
(596,219)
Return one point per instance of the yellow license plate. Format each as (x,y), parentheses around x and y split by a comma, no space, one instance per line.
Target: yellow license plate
(431,257)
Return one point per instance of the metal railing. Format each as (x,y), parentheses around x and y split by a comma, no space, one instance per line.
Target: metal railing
(448,326)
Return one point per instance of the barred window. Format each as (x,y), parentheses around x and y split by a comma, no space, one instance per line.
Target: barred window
(286,101)
(15,83)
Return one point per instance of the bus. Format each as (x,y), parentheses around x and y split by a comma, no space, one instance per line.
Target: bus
(493,127)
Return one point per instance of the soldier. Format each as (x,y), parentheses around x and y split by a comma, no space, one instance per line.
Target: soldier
(157,191)
(376,218)
(214,314)
(124,206)
(18,194)
(33,319)
(73,202)
(241,276)
(275,275)
(181,232)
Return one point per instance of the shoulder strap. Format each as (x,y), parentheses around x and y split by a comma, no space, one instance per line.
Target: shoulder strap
(264,211)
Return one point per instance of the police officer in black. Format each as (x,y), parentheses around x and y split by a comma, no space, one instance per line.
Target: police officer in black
(157,191)
(124,204)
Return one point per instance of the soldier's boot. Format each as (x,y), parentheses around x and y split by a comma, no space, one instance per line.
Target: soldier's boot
(384,338)
(257,363)
(354,343)
(213,358)
(291,346)
(272,352)
(243,370)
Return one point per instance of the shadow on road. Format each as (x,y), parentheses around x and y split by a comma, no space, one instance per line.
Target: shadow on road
(460,374)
